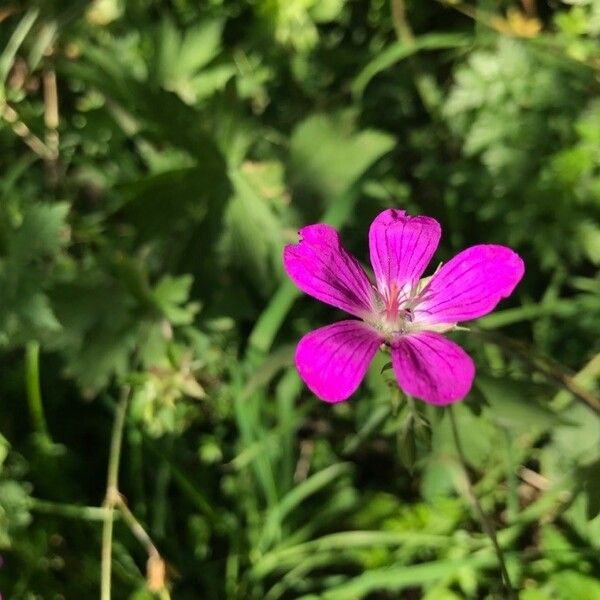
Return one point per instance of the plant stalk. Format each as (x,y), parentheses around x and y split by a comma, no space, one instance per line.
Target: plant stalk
(486,523)
(112,494)
(34,391)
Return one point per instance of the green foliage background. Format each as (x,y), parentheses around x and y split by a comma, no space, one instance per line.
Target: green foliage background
(141,229)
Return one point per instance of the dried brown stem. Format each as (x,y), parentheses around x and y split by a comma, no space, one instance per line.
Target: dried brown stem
(51,121)
(11,116)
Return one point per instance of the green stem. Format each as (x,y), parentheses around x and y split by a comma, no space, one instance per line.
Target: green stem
(486,524)
(112,494)
(511,478)
(34,391)
(70,511)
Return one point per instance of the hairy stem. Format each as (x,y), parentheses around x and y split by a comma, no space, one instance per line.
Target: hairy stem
(486,524)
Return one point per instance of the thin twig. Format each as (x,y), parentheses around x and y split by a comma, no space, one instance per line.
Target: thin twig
(487,525)
(155,567)
(136,527)
(114,501)
(112,493)
(400,22)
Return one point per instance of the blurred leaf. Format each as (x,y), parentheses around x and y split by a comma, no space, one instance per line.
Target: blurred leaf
(407,445)
(41,233)
(517,404)
(589,479)
(17,38)
(179,56)
(394,579)
(327,155)
(401,50)
(252,240)
(170,295)
(312,485)
(478,436)
(14,511)
(99,332)
(159,204)
(32,246)
(571,585)
(590,240)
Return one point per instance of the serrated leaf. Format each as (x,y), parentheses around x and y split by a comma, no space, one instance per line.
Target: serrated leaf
(157,204)
(180,55)
(42,232)
(171,294)
(252,240)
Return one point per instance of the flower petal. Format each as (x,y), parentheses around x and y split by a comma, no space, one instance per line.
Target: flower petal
(401,247)
(432,368)
(320,266)
(333,360)
(471,284)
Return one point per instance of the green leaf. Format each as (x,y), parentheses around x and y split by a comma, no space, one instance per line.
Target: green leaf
(158,204)
(589,479)
(395,579)
(314,484)
(180,56)
(407,444)
(14,511)
(272,317)
(43,231)
(327,154)
(171,294)
(572,585)
(15,41)
(401,50)
(252,240)
(33,245)
(518,405)
(589,234)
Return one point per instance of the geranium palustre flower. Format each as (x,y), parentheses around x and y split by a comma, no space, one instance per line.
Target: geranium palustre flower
(402,311)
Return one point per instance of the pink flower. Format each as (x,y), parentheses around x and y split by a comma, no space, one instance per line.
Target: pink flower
(402,311)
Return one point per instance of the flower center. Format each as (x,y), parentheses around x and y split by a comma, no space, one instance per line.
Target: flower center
(395,315)
(392,302)
(395,312)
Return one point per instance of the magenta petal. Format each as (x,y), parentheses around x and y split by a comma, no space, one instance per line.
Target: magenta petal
(320,266)
(432,368)
(471,284)
(401,247)
(333,360)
